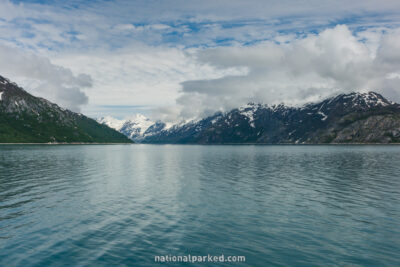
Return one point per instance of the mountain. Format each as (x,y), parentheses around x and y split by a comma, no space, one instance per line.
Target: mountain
(111,122)
(136,127)
(28,119)
(346,118)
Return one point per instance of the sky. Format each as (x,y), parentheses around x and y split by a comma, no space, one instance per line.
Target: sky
(182,59)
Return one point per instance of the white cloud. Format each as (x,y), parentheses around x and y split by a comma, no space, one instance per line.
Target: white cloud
(139,75)
(124,27)
(306,69)
(138,52)
(43,78)
(106,24)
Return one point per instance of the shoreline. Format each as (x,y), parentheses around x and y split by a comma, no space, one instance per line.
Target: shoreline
(220,144)
(73,143)
(272,144)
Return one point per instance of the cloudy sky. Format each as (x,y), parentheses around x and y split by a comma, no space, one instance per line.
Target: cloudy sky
(182,59)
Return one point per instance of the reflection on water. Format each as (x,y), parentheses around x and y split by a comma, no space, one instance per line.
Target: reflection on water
(280,205)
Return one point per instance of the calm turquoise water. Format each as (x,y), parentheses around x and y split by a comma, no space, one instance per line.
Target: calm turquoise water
(124,204)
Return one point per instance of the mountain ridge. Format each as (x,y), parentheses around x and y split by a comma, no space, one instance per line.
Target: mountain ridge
(345,118)
(25,118)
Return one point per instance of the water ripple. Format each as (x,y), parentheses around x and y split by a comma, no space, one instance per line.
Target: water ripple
(276,205)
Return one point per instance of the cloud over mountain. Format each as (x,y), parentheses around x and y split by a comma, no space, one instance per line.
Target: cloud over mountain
(182,60)
(297,70)
(44,78)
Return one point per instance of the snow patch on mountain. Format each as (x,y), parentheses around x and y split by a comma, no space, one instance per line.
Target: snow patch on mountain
(324,116)
(140,121)
(134,127)
(248,111)
(4,80)
(111,122)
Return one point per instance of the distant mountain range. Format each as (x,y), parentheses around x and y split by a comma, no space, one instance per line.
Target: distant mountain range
(346,118)
(134,127)
(28,119)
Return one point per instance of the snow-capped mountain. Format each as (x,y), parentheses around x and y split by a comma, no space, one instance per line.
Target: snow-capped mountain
(135,127)
(346,118)
(111,122)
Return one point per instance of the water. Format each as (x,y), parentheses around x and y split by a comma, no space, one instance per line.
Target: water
(125,204)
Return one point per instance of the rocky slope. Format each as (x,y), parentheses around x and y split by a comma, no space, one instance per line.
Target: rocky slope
(28,119)
(346,118)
